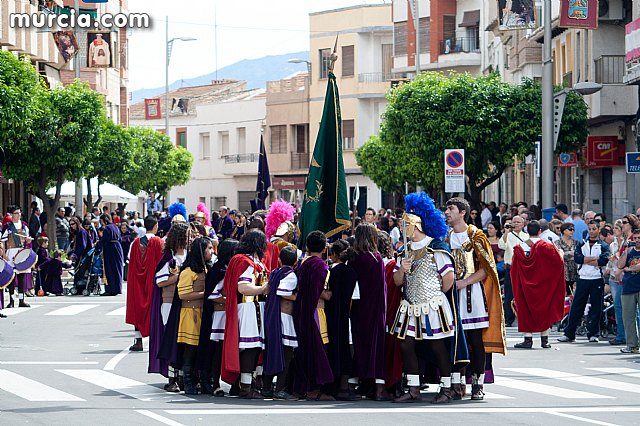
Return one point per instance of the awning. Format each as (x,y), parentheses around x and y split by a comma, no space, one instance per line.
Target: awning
(110,193)
(471,18)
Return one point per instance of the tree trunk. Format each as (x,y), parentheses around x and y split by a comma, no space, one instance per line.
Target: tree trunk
(89,199)
(50,208)
(120,210)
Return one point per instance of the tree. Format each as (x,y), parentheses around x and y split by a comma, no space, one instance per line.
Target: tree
(61,138)
(494,122)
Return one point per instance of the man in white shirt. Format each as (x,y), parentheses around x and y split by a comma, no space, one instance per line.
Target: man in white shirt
(485,215)
(546,233)
(562,211)
(513,236)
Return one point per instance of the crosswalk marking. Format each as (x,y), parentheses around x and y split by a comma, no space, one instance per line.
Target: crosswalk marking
(574,378)
(15,311)
(629,372)
(71,310)
(31,390)
(124,385)
(545,389)
(120,311)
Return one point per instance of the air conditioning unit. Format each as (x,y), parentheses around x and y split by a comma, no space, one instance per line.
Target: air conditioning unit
(610,10)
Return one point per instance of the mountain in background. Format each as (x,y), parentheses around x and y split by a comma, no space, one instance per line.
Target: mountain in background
(256,72)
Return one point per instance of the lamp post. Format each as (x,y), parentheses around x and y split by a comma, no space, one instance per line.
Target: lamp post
(302,61)
(169,48)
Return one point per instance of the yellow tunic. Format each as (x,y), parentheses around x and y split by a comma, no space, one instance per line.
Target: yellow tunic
(191,311)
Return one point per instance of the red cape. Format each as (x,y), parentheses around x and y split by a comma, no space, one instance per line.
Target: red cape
(392,354)
(142,270)
(538,287)
(231,343)
(271,257)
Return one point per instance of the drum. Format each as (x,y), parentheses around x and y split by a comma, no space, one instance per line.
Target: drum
(24,260)
(6,274)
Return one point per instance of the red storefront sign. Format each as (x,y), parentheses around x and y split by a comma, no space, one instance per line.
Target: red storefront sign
(604,151)
(288,182)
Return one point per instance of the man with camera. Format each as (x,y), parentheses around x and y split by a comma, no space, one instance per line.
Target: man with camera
(629,263)
(513,236)
(591,255)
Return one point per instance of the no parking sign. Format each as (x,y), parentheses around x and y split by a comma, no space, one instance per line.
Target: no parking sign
(454,170)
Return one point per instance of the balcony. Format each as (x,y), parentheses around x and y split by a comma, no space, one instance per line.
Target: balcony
(609,69)
(613,102)
(299,160)
(380,77)
(459,45)
(241,158)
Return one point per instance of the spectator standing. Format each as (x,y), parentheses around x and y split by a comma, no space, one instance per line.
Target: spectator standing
(567,245)
(485,215)
(629,263)
(546,233)
(34,224)
(62,230)
(562,211)
(615,282)
(580,226)
(153,205)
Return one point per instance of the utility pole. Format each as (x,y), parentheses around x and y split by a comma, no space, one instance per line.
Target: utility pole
(547,111)
(416,19)
(76,66)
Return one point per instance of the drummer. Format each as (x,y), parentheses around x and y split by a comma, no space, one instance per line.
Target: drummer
(15,236)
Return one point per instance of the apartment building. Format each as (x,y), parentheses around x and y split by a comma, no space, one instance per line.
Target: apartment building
(220,124)
(364,74)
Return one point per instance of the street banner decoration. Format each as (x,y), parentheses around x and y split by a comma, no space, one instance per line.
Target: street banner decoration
(632,40)
(99,50)
(579,14)
(516,14)
(326,206)
(67,44)
(152,109)
(264,180)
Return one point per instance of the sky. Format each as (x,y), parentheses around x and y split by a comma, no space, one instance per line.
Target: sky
(245,29)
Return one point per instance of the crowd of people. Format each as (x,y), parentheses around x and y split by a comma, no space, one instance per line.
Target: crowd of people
(412,296)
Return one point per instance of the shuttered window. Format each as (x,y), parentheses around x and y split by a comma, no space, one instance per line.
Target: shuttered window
(348,135)
(425,35)
(449,26)
(400,38)
(347,61)
(278,139)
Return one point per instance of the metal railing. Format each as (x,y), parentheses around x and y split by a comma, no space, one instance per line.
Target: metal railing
(459,45)
(299,160)
(241,158)
(609,69)
(379,77)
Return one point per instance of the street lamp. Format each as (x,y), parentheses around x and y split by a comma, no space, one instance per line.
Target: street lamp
(169,48)
(302,61)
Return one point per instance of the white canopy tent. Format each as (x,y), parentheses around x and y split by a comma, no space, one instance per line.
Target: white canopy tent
(110,193)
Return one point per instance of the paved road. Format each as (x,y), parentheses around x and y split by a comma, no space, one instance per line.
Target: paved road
(64,361)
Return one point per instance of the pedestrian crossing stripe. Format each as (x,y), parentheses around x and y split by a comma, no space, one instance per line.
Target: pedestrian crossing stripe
(629,372)
(590,381)
(120,311)
(528,386)
(71,310)
(15,311)
(32,390)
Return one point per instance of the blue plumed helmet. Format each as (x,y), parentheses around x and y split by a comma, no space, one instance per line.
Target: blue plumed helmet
(423,206)
(178,209)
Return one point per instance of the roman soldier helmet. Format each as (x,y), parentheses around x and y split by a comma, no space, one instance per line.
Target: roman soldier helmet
(279,219)
(178,213)
(422,214)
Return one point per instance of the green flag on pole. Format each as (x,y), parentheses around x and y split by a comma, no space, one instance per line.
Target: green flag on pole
(325,206)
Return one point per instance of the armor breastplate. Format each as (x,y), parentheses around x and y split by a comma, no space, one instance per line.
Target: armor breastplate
(423,282)
(463,259)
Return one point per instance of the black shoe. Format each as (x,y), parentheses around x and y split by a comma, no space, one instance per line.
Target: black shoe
(544,342)
(2,315)
(206,386)
(23,304)
(189,385)
(526,344)
(137,346)
(616,342)
(105,294)
(10,305)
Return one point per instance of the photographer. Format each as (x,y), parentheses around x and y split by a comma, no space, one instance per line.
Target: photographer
(629,263)
(513,236)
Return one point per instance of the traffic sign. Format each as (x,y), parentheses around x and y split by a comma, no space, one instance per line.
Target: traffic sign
(454,176)
(568,159)
(633,162)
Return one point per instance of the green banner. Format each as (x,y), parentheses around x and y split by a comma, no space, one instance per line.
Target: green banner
(325,206)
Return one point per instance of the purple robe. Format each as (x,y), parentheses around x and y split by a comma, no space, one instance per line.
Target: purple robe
(51,273)
(81,244)
(313,369)
(342,282)
(156,327)
(113,258)
(273,360)
(368,322)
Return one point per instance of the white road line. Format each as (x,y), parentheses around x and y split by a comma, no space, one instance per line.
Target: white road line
(590,381)
(71,310)
(31,390)
(120,311)
(324,409)
(545,389)
(123,385)
(15,311)
(630,372)
(113,362)
(581,419)
(159,418)
(49,362)
(493,395)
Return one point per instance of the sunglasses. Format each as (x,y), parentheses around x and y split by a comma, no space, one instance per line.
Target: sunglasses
(625,222)
(570,229)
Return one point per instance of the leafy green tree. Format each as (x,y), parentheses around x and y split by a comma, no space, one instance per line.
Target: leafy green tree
(61,139)
(491,120)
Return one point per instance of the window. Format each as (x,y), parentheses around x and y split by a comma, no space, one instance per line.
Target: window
(325,61)
(223,140)
(347,61)
(205,146)
(181,200)
(400,38)
(278,139)
(348,135)
(244,199)
(181,137)
(387,60)
(217,202)
(242,140)
(449,33)
(300,135)
(425,35)
(203,200)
